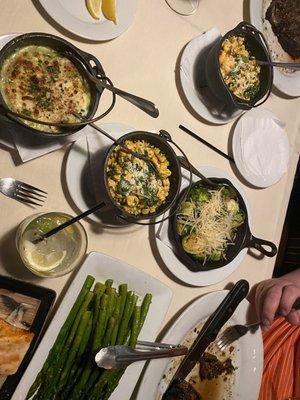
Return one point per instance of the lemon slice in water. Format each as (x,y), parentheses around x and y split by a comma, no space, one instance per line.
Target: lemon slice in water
(94,8)
(42,261)
(109,10)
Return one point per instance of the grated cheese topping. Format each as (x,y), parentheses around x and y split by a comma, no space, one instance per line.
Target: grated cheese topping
(212,225)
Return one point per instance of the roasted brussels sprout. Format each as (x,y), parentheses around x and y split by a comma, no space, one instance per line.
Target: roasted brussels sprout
(199,194)
(187,208)
(190,243)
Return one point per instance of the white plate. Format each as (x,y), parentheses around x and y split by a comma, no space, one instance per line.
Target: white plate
(286,83)
(192,68)
(202,278)
(74,16)
(78,177)
(103,267)
(256,180)
(249,355)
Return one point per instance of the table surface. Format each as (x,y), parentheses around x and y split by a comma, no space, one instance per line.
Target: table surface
(144,60)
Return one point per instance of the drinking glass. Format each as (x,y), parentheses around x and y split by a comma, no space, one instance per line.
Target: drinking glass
(57,255)
(183,7)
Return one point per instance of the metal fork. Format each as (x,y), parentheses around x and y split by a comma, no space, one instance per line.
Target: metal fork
(22,192)
(233,333)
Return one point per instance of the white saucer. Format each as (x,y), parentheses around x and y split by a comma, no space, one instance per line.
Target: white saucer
(74,16)
(261,181)
(192,70)
(202,278)
(81,184)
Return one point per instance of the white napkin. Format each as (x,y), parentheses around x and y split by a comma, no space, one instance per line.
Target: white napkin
(162,232)
(264,146)
(30,146)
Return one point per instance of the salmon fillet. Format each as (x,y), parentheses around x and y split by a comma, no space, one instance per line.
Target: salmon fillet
(14,343)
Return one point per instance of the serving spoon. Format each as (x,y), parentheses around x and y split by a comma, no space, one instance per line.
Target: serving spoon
(143,104)
(294,66)
(124,148)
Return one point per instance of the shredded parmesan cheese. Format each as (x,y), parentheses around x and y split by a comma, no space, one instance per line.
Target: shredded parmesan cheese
(212,225)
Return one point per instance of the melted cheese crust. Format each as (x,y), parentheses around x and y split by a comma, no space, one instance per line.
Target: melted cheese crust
(37,81)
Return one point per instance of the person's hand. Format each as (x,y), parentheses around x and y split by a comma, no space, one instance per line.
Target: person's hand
(277,297)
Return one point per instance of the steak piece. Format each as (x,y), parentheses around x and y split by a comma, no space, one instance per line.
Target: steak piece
(211,367)
(181,390)
(284,17)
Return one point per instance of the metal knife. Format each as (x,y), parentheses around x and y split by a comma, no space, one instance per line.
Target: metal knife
(211,328)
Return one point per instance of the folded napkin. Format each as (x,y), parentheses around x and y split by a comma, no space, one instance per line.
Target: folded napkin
(162,232)
(264,147)
(29,145)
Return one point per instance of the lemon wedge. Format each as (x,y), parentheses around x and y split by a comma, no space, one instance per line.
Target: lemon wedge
(109,10)
(40,261)
(94,8)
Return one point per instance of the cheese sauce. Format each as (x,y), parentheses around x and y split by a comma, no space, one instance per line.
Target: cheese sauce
(38,82)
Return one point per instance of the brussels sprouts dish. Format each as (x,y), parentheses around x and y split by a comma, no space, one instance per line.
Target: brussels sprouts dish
(207,221)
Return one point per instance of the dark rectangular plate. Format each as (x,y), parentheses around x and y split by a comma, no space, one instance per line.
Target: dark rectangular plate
(46,297)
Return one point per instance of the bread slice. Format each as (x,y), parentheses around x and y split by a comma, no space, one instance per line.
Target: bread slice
(14,343)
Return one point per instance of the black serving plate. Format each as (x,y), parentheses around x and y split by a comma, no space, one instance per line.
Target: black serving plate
(43,298)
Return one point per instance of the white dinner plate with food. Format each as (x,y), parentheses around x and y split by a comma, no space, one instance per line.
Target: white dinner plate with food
(85,158)
(192,78)
(103,267)
(73,15)
(175,265)
(287,81)
(246,355)
(261,147)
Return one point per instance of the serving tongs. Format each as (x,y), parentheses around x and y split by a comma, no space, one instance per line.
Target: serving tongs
(115,357)
(210,330)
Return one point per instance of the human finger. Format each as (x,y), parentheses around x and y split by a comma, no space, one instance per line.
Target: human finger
(290,294)
(294,317)
(270,305)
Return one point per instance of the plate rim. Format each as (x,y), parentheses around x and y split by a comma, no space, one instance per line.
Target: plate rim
(230,268)
(187,87)
(280,81)
(68,166)
(183,315)
(236,152)
(65,306)
(57,13)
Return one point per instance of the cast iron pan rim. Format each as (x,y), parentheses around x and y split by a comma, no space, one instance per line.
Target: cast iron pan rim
(76,51)
(164,207)
(247,103)
(197,266)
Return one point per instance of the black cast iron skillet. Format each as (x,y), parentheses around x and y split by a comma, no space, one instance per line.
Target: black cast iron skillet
(160,141)
(243,239)
(84,60)
(257,46)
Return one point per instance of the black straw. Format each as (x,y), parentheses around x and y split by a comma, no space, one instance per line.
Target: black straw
(183,128)
(68,223)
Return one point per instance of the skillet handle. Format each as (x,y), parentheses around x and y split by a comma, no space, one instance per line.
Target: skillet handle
(259,244)
(94,64)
